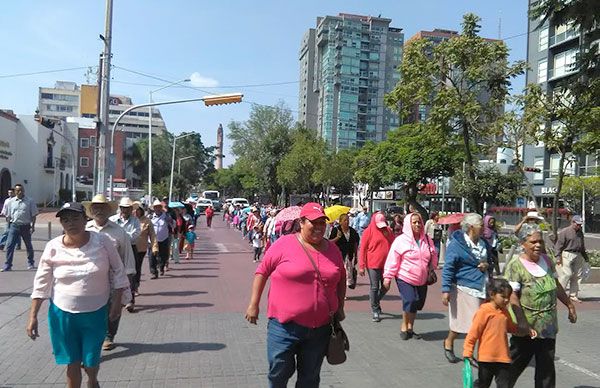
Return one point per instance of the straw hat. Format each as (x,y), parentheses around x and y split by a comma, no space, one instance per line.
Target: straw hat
(125,202)
(99,199)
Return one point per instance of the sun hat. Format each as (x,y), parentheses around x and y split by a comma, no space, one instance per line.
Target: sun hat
(156,203)
(380,220)
(312,211)
(534,215)
(70,207)
(125,202)
(99,199)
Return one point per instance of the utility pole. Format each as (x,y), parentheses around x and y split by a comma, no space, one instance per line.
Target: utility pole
(104,100)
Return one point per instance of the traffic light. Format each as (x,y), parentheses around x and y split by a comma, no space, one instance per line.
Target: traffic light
(223,99)
(532,169)
(45,122)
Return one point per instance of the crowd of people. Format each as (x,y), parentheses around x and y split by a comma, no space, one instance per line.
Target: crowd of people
(93,270)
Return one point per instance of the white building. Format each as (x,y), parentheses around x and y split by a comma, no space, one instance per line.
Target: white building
(39,158)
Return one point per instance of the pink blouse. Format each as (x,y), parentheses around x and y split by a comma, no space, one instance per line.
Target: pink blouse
(295,293)
(78,280)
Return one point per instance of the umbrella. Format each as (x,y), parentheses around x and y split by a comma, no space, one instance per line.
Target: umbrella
(247,210)
(451,219)
(175,204)
(288,214)
(334,212)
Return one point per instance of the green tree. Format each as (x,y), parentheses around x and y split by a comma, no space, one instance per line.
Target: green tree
(493,186)
(411,154)
(337,172)
(262,141)
(465,82)
(573,191)
(300,170)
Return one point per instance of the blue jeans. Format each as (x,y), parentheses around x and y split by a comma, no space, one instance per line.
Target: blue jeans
(376,292)
(4,238)
(14,232)
(290,343)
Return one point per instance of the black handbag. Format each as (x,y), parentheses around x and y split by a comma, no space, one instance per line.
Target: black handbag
(431,275)
(338,340)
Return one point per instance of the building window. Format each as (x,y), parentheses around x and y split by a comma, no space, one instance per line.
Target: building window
(564,63)
(84,162)
(84,142)
(543,39)
(92,141)
(542,70)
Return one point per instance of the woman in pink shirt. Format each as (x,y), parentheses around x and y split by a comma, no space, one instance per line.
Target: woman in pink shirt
(411,255)
(76,272)
(299,305)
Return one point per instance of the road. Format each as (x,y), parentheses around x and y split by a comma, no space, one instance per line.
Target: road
(189,331)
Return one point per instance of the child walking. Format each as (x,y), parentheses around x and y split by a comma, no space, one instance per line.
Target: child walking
(489,327)
(257,243)
(190,241)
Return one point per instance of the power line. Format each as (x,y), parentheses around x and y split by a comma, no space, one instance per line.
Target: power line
(42,72)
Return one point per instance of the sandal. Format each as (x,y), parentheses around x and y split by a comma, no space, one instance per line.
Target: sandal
(450,356)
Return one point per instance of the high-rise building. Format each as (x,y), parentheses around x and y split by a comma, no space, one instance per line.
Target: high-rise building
(59,102)
(347,64)
(551,54)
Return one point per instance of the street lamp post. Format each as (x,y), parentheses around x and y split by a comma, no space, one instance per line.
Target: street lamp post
(173,161)
(150,133)
(220,99)
(179,163)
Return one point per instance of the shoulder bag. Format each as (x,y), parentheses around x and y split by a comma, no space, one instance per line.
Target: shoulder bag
(338,340)
(431,275)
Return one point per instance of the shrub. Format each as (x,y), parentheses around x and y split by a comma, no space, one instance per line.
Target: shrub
(594,256)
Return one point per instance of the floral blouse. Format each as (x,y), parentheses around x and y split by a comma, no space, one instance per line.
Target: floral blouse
(536,283)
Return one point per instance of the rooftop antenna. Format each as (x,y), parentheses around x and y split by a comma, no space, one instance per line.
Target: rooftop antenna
(500,24)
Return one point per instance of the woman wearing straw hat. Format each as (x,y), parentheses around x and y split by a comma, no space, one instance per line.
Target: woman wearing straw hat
(75,272)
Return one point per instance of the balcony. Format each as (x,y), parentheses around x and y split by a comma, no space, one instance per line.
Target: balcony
(556,74)
(566,36)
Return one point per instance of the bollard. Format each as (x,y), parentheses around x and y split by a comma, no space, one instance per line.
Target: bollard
(49,230)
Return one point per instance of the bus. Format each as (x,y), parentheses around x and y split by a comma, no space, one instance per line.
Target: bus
(211,194)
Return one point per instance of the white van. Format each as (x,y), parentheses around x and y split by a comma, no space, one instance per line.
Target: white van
(243,202)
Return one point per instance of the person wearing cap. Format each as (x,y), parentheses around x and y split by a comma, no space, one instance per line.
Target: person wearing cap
(411,256)
(76,273)
(162,223)
(374,248)
(571,254)
(21,214)
(126,220)
(100,209)
(299,300)
(147,234)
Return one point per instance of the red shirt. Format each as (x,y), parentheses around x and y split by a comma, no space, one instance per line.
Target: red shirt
(295,293)
(374,248)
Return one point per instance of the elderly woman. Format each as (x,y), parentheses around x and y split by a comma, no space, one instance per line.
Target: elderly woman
(374,248)
(76,272)
(532,276)
(411,256)
(147,235)
(466,272)
(300,299)
(346,238)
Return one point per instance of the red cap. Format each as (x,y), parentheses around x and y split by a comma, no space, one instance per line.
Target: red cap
(380,220)
(312,211)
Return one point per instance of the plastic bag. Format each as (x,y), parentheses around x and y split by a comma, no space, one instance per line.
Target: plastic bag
(467,374)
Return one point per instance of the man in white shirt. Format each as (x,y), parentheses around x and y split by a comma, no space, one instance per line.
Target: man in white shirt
(99,209)
(161,223)
(4,237)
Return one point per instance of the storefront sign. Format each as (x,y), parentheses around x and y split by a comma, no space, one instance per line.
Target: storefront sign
(549,190)
(4,150)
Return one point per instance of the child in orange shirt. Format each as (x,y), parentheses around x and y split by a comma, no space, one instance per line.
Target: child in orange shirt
(489,327)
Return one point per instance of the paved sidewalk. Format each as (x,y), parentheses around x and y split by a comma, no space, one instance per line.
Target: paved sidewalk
(189,331)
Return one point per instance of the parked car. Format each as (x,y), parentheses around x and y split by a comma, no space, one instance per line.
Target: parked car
(202,204)
(243,202)
(217,205)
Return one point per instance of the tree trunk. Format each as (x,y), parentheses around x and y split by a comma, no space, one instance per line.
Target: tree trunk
(411,190)
(474,199)
(559,183)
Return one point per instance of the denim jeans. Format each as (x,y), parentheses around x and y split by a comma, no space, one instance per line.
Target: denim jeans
(14,232)
(4,238)
(291,346)
(377,291)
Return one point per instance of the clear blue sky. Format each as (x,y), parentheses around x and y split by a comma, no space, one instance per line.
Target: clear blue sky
(225,43)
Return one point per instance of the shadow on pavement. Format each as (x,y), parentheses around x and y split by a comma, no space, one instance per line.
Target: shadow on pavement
(195,268)
(149,308)
(419,316)
(12,294)
(132,349)
(194,276)
(172,293)
(437,335)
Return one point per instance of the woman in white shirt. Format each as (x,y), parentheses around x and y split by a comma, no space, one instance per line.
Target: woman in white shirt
(76,272)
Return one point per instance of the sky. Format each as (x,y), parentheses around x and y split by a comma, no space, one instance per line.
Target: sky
(223,46)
